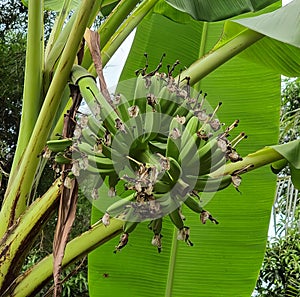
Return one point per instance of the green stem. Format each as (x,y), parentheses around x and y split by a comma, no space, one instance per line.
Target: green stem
(32,82)
(54,53)
(252,161)
(216,58)
(110,25)
(16,195)
(124,30)
(202,49)
(18,240)
(59,22)
(30,282)
(203,39)
(172,263)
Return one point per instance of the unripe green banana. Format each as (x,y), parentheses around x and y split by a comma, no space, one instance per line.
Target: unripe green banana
(193,203)
(96,126)
(140,94)
(89,150)
(161,187)
(59,145)
(168,101)
(100,171)
(156,84)
(88,136)
(61,158)
(206,183)
(156,225)
(210,157)
(175,170)
(90,144)
(100,163)
(189,140)
(120,205)
(157,147)
(185,109)
(122,107)
(191,128)
(131,220)
(113,180)
(174,139)
(176,218)
(129,226)
(218,160)
(151,124)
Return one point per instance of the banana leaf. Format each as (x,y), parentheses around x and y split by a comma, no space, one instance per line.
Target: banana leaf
(280,48)
(226,258)
(291,152)
(218,10)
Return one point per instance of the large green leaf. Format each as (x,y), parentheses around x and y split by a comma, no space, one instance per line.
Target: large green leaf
(291,152)
(280,48)
(218,9)
(226,258)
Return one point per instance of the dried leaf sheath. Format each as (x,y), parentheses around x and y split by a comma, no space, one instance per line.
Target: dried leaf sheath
(92,39)
(68,199)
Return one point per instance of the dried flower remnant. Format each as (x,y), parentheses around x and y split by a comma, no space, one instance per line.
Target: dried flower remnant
(151,100)
(95,194)
(77,132)
(122,242)
(184,235)
(106,219)
(68,182)
(75,168)
(133,111)
(120,126)
(96,109)
(205,215)
(164,162)
(111,192)
(83,162)
(175,133)
(156,241)
(236,181)
(98,148)
(107,138)
(83,121)
(180,120)
(47,153)
(117,99)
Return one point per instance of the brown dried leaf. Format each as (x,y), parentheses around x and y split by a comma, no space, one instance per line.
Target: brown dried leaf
(68,199)
(66,216)
(92,39)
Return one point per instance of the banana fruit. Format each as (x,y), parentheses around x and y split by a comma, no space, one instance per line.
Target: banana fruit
(59,145)
(157,146)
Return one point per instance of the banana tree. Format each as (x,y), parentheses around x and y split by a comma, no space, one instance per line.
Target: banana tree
(156,146)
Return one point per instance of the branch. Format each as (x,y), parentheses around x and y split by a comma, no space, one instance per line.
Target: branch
(216,58)
(252,161)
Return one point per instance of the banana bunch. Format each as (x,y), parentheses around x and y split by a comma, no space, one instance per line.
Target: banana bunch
(155,150)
